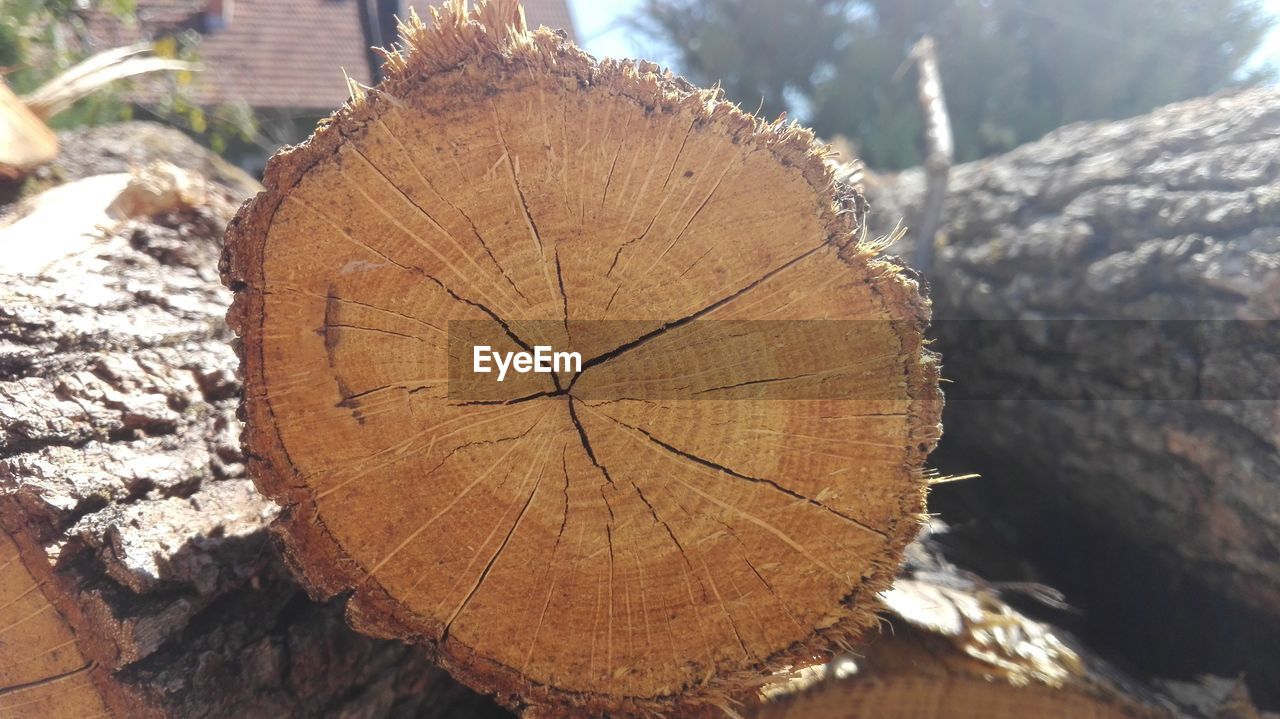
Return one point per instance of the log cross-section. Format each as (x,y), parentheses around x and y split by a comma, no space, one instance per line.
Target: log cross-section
(654,529)
(43,668)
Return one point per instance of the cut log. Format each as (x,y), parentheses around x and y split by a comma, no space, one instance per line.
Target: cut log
(126,146)
(915,675)
(136,577)
(723,486)
(952,648)
(1171,216)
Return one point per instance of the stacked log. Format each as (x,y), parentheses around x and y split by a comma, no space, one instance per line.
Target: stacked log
(1107,300)
(136,574)
(714,506)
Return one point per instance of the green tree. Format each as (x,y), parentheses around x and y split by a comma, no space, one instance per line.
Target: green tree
(40,39)
(1012,69)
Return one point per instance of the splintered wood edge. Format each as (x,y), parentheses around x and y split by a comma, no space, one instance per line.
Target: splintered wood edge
(493,37)
(959,648)
(918,675)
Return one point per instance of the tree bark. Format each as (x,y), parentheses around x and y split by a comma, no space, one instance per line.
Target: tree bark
(1095,437)
(136,578)
(743,437)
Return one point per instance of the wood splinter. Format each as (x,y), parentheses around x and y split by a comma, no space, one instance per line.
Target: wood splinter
(692,510)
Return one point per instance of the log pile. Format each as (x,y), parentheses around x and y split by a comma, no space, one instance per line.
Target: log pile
(1124,279)
(136,576)
(954,647)
(711,515)
(704,499)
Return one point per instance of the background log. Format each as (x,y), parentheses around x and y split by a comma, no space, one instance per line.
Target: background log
(952,647)
(1151,514)
(137,576)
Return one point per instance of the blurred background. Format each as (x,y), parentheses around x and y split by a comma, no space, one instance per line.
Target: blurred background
(1013,69)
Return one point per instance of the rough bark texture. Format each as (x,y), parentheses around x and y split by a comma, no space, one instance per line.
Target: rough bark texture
(125,146)
(123,492)
(1175,215)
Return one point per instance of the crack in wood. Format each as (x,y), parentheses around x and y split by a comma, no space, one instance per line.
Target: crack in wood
(416,271)
(46,681)
(470,222)
(674,324)
(412,203)
(513,168)
(484,574)
(586,443)
(758,480)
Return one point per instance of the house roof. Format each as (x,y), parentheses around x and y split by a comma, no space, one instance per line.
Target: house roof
(285,53)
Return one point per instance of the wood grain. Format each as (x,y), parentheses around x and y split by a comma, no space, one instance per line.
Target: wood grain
(577,545)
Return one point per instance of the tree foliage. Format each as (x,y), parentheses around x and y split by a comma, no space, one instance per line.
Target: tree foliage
(40,39)
(1012,69)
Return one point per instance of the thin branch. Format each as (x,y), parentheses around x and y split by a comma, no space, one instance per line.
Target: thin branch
(939,148)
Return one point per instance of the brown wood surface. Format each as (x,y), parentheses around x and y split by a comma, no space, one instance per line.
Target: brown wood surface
(43,670)
(698,504)
(136,574)
(25,141)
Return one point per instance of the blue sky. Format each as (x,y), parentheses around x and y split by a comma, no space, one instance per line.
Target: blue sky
(601,33)
(1269,53)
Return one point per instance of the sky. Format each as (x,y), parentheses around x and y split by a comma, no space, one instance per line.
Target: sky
(1268,54)
(600,31)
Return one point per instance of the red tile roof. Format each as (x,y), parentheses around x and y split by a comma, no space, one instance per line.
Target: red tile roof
(287,54)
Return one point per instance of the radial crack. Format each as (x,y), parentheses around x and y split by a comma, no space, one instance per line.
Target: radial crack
(470,223)
(628,346)
(758,480)
(670,533)
(564,296)
(753,382)
(331,297)
(586,443)
(420,272)
(15,688)
(516,400)
(514,170)
(380,330)
(484,574)
(422,211)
